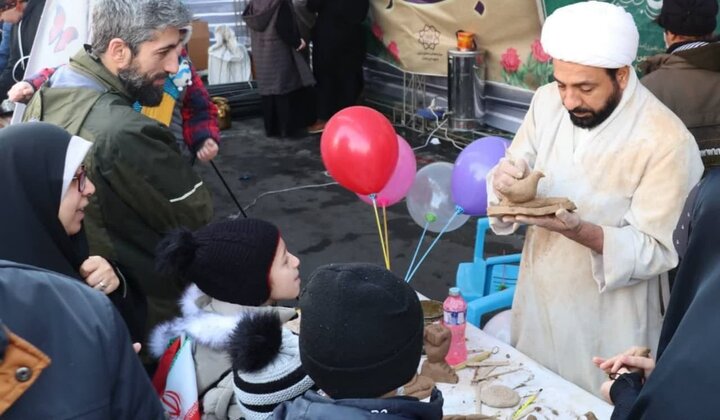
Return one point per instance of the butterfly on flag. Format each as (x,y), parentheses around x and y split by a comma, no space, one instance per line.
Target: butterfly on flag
(59,34)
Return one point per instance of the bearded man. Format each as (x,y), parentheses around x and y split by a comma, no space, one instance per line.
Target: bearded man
(592,282)
(144,187)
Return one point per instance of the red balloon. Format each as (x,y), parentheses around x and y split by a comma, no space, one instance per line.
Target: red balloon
(359,149)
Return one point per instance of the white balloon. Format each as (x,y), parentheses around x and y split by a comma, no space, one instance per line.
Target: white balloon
(430,198)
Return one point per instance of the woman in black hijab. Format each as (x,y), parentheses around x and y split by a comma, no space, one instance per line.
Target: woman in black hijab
(682,383)
(45,191)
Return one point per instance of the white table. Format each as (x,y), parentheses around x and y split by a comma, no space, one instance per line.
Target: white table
(559,399)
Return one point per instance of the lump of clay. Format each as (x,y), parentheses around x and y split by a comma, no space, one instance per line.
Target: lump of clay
(419,387)
(499,396)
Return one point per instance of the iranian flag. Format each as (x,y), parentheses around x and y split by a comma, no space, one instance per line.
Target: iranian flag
(175,381)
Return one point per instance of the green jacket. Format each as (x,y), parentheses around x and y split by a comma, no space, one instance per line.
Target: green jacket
(144,187)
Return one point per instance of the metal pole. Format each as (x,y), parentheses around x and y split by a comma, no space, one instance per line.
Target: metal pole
(227,187)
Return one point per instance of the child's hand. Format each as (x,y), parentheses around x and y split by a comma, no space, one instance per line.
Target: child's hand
(208,151)
(635,359)
(21,92)
(12,16)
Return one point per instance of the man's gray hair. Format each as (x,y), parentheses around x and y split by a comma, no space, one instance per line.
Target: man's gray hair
(135,21)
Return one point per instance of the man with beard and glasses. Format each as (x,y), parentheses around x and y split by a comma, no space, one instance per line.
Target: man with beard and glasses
(593,280)
(144,187)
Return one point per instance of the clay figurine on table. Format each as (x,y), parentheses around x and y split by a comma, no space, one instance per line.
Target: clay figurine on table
(521,199)
(419,387)
(436,340)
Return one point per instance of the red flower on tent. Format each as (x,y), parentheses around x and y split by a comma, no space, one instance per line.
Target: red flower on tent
(377,31)
(393,49)
(538,52)
(510,60)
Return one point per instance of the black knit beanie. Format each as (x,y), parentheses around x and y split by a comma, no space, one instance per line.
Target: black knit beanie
(228,260)
(689,17)
(361,330)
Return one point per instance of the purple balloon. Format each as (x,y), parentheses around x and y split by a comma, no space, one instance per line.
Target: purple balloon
(469,190)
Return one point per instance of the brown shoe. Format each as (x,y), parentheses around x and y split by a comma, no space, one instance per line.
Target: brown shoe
(316,128)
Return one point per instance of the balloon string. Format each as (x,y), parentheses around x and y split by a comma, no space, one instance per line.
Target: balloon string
(417,249)
(387,238)
(458,210)
(382,241)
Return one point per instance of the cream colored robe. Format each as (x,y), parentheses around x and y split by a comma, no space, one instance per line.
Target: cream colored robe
(630,175)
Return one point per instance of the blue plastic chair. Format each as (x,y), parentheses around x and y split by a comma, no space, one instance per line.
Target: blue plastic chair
(487,284)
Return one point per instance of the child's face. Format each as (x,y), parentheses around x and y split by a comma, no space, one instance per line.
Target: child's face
(284,274)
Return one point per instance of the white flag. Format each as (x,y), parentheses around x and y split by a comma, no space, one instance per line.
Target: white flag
(180,397)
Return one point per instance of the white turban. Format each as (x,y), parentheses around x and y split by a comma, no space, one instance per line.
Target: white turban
(591,33)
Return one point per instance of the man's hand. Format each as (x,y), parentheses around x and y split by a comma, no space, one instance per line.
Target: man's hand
(21,92)
(302,46)
(99,274)
(562,221)
(507,173)
(567,224)
(208,151)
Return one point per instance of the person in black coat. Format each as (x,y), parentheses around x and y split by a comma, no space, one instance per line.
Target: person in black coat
(44,191)
(283,75)
(682,383)
(338,53)
(65,352)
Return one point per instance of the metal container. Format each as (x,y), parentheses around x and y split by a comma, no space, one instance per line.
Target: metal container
(466,88)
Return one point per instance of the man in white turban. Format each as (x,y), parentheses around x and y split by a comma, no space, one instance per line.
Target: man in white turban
(593,281)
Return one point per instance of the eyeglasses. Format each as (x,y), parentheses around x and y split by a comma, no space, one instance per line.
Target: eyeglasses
(81,178)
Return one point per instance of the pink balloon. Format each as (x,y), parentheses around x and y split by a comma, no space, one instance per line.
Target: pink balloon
(401,179)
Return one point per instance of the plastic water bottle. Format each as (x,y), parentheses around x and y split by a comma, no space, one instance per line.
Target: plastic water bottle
(454,311)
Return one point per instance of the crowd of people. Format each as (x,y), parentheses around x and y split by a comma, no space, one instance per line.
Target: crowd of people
(108,248)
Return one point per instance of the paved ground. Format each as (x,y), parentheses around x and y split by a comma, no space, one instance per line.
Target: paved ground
(330,224)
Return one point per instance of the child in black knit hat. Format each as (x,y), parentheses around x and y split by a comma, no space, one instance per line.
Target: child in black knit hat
(361,335)
(241,351)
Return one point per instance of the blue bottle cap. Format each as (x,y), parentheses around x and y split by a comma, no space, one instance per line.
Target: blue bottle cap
(454,291)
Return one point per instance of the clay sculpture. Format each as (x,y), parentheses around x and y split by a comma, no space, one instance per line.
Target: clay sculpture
(521,199)
(419,387)
(524,190)
(436,339)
